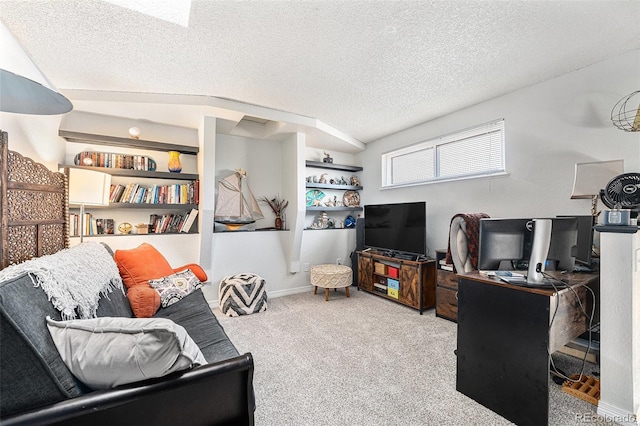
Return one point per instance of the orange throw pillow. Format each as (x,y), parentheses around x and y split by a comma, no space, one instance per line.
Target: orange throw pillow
(144,301)
(196,269)
(139,265)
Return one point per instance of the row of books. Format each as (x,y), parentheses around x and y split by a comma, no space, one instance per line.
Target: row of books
(114,161)
(172,222)
(185,193)
(158,224)
(92,226)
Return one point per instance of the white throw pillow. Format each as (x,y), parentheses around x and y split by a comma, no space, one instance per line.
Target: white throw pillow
(111,351)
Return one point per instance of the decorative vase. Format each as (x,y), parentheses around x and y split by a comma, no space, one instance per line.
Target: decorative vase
(174,162)
(278,222)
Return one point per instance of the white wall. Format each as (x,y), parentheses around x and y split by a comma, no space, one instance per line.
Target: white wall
(35,137)
(267,253)
(549,127)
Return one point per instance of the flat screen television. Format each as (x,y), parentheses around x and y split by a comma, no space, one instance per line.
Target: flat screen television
(399,228)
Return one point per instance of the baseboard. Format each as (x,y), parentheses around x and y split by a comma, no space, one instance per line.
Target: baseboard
(614,414)
(213,304)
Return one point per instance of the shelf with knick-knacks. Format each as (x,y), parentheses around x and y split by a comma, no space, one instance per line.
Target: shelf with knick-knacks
(330,193)
(317,200)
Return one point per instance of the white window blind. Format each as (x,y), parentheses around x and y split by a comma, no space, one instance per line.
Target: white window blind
(474,152)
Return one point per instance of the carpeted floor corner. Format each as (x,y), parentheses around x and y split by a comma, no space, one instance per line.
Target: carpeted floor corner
(364,360)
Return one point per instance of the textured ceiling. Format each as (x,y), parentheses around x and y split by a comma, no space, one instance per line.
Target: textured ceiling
(367,68)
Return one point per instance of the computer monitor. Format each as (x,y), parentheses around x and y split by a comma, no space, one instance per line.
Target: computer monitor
(504,243)
(584,247)
(564,241)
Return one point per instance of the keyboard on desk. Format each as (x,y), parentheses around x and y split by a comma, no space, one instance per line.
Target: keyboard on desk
(522,282)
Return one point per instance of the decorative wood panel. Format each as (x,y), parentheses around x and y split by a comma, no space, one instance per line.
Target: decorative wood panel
(410,285)
(365,272)
(34,219)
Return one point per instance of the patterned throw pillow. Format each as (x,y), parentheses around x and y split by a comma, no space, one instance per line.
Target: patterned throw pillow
(175,287)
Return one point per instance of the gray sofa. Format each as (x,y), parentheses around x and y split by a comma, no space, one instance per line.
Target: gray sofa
(37,387)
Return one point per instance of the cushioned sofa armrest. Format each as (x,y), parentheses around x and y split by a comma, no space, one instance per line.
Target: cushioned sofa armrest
(212,394)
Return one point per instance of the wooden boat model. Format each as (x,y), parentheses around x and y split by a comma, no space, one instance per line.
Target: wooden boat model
(235,204)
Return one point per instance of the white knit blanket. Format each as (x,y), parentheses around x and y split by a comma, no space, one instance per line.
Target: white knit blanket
(74,279)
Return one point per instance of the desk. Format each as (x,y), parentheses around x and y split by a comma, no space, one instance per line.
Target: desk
(505,338)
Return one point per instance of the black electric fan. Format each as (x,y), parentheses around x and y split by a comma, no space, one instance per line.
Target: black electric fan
(623,192)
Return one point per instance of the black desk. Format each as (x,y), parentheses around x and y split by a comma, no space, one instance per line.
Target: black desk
(505,338)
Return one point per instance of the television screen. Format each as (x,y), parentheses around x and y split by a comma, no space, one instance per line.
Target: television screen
(397,227)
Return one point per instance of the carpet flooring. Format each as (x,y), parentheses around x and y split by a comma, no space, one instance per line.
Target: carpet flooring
(364,360)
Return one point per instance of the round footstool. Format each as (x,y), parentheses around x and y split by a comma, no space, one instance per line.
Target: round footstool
(242,294)
(331,276)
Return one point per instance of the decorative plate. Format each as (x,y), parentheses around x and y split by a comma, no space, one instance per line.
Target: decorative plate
(314,197)
(351,199)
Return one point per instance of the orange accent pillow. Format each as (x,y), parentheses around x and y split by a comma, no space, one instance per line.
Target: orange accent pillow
(144,301)
(196,269)
(139,265)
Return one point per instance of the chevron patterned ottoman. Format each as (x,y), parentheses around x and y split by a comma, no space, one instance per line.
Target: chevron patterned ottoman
(242,294)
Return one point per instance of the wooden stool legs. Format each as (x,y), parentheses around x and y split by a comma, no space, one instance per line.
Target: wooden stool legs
(326,292)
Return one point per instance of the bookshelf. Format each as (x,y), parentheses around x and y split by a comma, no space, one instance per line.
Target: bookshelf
(142,192)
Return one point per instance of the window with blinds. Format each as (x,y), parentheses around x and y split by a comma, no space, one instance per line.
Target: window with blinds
(470,153)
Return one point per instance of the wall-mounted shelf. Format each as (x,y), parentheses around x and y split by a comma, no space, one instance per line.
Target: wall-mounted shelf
(133,235)
(322,165)
(330,186)
(332,209)
(126,142)
(137,173)
(157,206)
(327,229)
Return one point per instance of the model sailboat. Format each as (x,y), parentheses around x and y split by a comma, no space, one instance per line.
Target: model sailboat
(235,204)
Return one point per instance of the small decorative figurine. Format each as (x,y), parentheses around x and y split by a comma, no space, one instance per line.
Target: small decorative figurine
(327,158)
(354,180)
(323,178)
